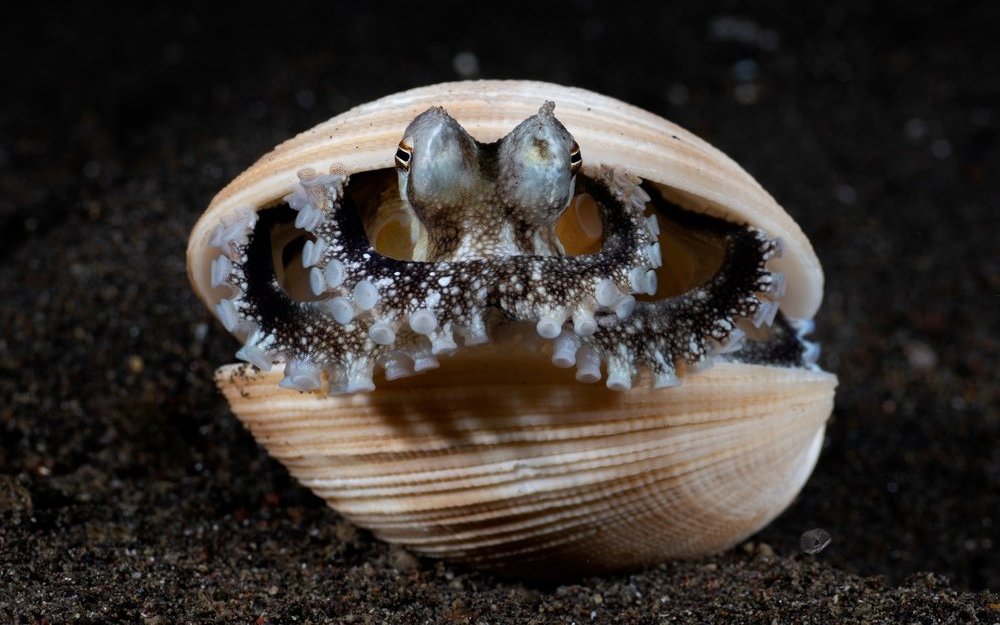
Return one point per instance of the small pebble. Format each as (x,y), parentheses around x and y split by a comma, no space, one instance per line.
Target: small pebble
(916,129)
(941,148)
(402,560)
(466,64)
(920,355)
(815,540)
(678,94)
(764,550)
(846,194)
(346,532)
(14,497)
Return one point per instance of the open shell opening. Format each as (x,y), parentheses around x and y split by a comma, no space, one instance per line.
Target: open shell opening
(690,257)
(694,247)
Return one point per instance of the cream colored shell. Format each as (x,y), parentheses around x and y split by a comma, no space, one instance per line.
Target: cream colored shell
(503,461)
(500,459)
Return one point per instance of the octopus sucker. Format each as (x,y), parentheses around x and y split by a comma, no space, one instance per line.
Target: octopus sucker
(430,288)
(369,306)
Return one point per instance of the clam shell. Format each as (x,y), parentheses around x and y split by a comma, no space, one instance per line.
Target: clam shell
(501,460)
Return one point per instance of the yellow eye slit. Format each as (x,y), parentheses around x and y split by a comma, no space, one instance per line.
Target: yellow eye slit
(575,158)
(403,157)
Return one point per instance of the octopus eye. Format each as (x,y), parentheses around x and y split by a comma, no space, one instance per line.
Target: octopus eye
(403,156)
(575,160)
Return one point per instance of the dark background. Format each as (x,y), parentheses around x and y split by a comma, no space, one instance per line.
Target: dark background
(128,491)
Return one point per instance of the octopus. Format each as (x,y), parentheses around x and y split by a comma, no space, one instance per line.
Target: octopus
(489,265)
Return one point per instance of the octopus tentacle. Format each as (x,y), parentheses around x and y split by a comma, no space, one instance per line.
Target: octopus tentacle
(402,314)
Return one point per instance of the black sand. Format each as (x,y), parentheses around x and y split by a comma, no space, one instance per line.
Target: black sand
(129,493)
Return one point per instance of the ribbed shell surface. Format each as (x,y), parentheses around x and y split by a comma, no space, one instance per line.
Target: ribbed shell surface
(503,461)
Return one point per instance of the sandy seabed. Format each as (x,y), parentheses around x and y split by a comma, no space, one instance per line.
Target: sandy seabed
(129,492)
